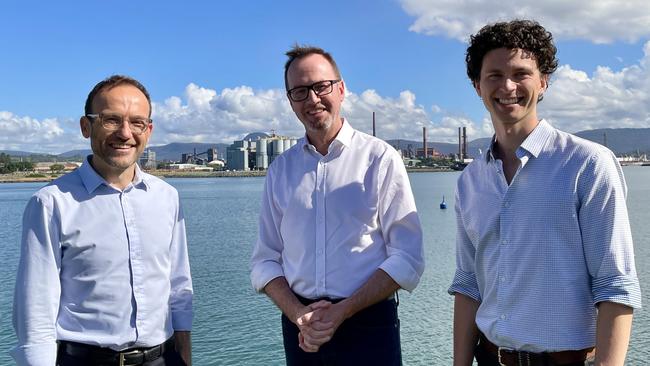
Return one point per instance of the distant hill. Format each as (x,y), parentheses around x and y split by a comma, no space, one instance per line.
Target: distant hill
(622,141)
(174,151)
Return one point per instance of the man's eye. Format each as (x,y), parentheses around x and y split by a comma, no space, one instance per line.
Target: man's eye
(113,120)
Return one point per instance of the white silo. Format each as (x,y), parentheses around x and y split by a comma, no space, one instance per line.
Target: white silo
(261,156)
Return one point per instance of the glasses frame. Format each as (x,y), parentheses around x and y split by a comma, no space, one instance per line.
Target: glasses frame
(311,87)
(132,128)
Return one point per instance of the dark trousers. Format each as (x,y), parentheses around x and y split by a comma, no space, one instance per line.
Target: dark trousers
(169,358)
(370,337)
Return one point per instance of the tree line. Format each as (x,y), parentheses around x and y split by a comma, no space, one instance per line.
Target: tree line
(8,166)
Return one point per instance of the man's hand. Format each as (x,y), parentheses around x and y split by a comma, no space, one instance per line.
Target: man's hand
(323,325)
(314,329)
(183,343)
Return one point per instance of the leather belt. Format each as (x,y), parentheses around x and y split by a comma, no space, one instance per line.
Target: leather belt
(103,355)
(510,357)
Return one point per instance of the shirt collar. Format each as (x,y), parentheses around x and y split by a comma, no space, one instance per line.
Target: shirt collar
(344,137)
(91,179)
(536,141)
(533,144)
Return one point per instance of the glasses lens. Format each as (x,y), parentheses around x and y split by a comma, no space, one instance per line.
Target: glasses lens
(322,88)
(299,93)
(138,124)
(111,122)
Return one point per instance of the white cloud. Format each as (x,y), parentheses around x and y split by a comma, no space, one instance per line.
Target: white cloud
(599,21)
(575,101)
(607,99)
(24,133)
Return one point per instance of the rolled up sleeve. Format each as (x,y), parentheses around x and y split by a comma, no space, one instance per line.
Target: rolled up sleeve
(266,259)
(607,243)
(400,225)
(464,281)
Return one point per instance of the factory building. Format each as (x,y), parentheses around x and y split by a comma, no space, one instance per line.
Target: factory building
(257,154)
(147,159)
(237,155)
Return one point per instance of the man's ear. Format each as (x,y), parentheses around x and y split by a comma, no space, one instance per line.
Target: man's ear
(544,83)
(477,87)
(84,124)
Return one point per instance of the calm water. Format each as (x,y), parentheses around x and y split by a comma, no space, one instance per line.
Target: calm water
(235,326)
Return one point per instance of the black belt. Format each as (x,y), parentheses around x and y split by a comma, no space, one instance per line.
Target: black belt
(133,356)
(509,357)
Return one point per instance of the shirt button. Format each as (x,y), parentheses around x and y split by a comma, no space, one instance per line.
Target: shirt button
(503,316)
(507,204)
(320,251)
(504,241)
(503,278)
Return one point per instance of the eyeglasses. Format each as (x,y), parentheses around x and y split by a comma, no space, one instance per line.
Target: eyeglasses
(300,93)
(113,122)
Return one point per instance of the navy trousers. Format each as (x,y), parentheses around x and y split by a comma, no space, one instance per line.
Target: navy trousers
(370,337)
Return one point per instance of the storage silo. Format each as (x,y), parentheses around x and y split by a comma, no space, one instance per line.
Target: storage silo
(262,158)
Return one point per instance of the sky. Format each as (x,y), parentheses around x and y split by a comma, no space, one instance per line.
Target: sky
(214,69)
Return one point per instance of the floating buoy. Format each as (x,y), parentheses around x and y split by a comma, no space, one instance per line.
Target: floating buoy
(443,204)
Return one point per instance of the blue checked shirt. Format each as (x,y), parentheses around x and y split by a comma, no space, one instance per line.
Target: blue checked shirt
(540,253)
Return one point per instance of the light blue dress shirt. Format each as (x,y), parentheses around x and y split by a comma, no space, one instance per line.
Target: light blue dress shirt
(327,223)
(101,266)
(540,253)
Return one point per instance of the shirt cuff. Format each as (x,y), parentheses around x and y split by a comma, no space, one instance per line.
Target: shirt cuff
(619,289)
(35,354)
(465,283)
(402,272)
(182,320)
(263,273)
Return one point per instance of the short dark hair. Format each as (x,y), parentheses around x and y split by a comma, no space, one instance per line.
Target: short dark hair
(300,51)
(527,35)
(111,82)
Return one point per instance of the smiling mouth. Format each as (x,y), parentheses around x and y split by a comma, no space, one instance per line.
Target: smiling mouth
(508,101)
(120,146)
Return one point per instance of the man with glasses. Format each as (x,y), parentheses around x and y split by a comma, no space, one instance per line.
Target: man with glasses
(545,263)
(104,276)
(339,232)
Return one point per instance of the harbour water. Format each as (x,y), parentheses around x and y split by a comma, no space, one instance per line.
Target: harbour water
(235,326)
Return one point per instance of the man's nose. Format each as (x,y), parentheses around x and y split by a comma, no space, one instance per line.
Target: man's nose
(313,97)
(125,129)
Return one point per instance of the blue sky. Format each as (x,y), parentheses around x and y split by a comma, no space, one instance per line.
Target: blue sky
(214,68)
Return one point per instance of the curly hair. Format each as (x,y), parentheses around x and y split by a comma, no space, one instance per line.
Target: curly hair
(527,35)
(300,51)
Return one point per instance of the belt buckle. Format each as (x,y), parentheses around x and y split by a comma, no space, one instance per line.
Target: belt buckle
(520,361)
(499,349)
(124,354)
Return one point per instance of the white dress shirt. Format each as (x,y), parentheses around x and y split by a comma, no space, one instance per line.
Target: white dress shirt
(101,266)
(327,223)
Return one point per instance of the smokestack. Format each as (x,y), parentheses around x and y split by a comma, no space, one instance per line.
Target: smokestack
(464,143)
(460,145)
(424,141)
(373,124)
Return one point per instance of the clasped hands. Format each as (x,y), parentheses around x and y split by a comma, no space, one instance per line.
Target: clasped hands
(318,323)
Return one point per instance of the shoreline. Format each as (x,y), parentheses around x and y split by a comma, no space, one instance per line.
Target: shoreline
(30,178)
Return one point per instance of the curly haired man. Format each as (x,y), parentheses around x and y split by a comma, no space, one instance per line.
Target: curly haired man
(545,264)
